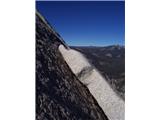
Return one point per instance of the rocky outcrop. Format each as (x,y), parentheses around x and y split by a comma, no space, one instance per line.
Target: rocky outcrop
(112,105)
(59,93)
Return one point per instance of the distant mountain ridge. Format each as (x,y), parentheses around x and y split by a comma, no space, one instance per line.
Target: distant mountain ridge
(94,46)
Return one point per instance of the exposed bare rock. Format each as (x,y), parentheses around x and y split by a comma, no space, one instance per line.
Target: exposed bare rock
(59,93)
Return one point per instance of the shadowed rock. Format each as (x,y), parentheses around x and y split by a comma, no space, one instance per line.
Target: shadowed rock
(59,93)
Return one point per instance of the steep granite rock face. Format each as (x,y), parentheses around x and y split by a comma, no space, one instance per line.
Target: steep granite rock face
(59,93)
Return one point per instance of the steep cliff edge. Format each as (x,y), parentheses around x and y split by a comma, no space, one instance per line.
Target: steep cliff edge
(59,93)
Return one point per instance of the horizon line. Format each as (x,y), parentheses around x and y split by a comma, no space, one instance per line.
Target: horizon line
(96,45)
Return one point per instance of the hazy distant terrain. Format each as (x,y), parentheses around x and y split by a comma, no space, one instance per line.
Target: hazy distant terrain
(110,61)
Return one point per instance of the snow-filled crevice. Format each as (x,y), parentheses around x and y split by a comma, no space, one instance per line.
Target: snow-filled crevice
(112,105)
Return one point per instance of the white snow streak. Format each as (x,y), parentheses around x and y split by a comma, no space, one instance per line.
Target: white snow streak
(112,105)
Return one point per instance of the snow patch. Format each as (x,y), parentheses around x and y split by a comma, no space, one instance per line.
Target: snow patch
(112,105)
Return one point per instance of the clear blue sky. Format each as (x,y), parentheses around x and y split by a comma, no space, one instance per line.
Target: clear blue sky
(86,23)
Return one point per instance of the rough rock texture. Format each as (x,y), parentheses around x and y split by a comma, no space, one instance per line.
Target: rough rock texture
(59,93)
(112,105)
